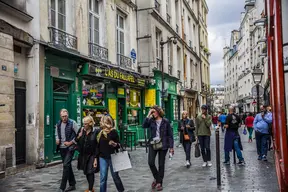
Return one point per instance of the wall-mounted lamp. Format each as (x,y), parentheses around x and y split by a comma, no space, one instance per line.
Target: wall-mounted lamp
(79,67)
(261,22)
(262,41)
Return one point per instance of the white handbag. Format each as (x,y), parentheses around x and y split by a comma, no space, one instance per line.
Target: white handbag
(121,161)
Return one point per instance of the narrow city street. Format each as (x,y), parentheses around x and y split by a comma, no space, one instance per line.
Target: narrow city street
(254,176)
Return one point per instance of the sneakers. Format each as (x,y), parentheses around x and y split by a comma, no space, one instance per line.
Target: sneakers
(159,187)
(89,191)
(153,185)
(209,164)
(226,162)
(264,158)
(71,188)
(241,163)
(188,164)
(204,164)
(259,157)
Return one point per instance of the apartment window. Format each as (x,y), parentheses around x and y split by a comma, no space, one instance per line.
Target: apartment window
(94,21)
(58,14)
(120,34)
(158,39)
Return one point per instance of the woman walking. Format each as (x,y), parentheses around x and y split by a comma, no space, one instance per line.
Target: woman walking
(249,124)
(108,143)
(186,129)
(86,141)
(161,139)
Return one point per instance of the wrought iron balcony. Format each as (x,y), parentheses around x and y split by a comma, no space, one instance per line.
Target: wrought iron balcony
(159,64)
(124,61)
(157,6)
(98,52)
(170,71)
(168,18)
(59,38)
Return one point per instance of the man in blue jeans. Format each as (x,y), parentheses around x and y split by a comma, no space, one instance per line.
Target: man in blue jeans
(261,126)
(232,137)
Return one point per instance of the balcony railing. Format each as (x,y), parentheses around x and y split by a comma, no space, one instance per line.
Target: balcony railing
(159,64)
(178,74)
(177,28)
(59,38)
(191,82)
(157,6)
(170,69)
(98,52)
(168,18)
(124,61)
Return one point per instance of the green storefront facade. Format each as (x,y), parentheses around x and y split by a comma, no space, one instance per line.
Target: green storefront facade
(170,100)
(86,88)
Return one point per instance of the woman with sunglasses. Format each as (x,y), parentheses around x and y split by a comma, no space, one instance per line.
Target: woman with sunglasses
(160,141)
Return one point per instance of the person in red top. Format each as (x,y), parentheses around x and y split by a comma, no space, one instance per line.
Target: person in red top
(249,124)
(215,120)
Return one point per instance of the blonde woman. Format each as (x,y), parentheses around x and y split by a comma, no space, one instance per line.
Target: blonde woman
(108,143)
(87,143)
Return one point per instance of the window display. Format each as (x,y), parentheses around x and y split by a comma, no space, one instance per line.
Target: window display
(93,93)
(133,117)
(95,113)
(175,105)
(133,98)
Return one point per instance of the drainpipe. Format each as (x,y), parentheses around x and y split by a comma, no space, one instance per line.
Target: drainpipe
(200,56)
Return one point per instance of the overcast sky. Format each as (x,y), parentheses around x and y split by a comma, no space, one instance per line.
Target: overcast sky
(223,17)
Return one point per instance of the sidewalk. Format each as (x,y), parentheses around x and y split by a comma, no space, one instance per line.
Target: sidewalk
(254,176)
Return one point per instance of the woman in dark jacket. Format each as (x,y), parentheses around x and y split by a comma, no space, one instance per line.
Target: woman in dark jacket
(86,141)
(161,139)
(186,128)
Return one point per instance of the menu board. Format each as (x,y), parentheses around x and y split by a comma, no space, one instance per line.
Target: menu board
(112,108)
(150,97)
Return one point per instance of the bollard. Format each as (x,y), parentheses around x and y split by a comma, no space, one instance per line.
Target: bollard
(145,135)
(218,157)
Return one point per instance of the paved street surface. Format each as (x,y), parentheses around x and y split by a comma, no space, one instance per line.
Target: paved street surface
(254,176)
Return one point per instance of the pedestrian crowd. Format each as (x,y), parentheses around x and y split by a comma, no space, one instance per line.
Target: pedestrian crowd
(97,146)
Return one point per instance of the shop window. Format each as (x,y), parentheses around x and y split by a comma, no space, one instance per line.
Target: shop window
(133,98)
(95,113)
(111,90)
(133,117)
(93,93)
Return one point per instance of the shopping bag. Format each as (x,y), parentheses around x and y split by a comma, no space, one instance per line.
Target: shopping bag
(197,150)
(244,131)
(121,161)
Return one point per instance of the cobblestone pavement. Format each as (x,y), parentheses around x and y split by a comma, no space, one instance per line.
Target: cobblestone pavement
(254,176)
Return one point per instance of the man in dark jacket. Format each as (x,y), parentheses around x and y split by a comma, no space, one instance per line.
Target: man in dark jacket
(65,134)
(161,139)
(187,137)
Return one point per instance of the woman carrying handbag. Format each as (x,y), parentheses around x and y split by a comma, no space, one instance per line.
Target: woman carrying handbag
(87,144)
(186,129)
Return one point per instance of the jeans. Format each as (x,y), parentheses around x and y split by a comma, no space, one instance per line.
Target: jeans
(261,143)
(104,165)
(67,174)
(250,130)
(157,174)
(90,179)
(237,150)
(222,127)
(187,149)
(204,142)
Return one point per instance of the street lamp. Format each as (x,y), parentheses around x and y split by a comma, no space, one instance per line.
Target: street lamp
(162,43)
(257,78)
(182,91)
(261,22)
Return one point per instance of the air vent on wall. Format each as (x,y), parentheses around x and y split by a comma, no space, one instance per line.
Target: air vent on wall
(9,157)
